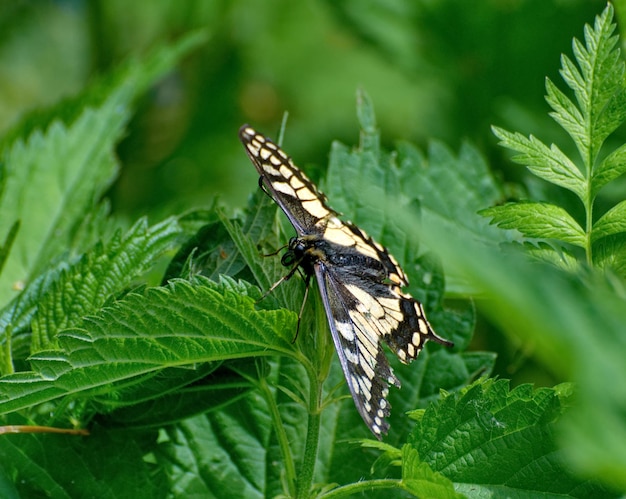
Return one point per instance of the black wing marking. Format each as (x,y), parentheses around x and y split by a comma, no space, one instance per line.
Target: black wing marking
(292,190)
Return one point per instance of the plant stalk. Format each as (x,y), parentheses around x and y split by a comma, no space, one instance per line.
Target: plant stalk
(305,478)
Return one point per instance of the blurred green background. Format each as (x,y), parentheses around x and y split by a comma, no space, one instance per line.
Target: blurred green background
(442,70)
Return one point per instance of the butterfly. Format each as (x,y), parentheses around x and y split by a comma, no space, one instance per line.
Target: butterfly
(359,281)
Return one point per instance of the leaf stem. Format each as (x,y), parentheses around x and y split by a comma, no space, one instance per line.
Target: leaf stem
(589,224)
(317,366)
(305,478)
(364,486)
(281,435)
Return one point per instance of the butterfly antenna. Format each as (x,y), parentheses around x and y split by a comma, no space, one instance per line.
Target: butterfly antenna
(277,251)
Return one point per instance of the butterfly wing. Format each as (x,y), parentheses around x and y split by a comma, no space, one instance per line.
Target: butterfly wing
(366,369)
(297,196)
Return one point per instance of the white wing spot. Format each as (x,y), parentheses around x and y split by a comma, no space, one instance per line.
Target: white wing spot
(270,170)
(286,172)
(410,349)
(351,356)
(423,326)
(365,386)
(284,188)
(315,208)
(416,339)
(355,384)
(345,329)
(296,183)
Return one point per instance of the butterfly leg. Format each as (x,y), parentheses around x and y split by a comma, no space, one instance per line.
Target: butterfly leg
(307,281)
(284,278)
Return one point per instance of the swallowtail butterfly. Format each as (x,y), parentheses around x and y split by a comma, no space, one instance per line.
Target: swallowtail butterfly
(359,281)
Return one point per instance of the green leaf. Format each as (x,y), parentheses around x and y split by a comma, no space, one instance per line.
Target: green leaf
(173,395)
(420,479)
(612,222)
(565,112)
(233,452)
(178,325)
(64,467)
(575,329)
(450,188)
(597,80)
(609,169)
(222,457)
(98,276)
(537,220)
(598,86)
(548,163)
(370,136)
(558,256)
(489,439)
(5,249)
(79,163)
(609,253)
(18,314)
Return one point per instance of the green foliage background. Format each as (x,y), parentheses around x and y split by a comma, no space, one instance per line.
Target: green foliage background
(123,118)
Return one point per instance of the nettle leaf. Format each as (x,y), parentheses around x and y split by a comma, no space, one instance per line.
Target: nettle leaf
(101,273)
(234,452)
(52,183)
(490,440)
(172,395)
(420,479)
(537,220)
(62,467)
(451,188)
(79,161)
(178,325)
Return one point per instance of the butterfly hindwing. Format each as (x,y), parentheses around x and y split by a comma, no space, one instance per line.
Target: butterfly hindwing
(359,281)
(360,352)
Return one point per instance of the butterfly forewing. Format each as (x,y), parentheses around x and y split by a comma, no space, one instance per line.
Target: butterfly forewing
(360,282)
(297,196)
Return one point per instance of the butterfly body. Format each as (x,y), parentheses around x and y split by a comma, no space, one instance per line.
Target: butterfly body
(358,279)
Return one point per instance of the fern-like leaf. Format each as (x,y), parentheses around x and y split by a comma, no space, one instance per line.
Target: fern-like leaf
(596,79)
